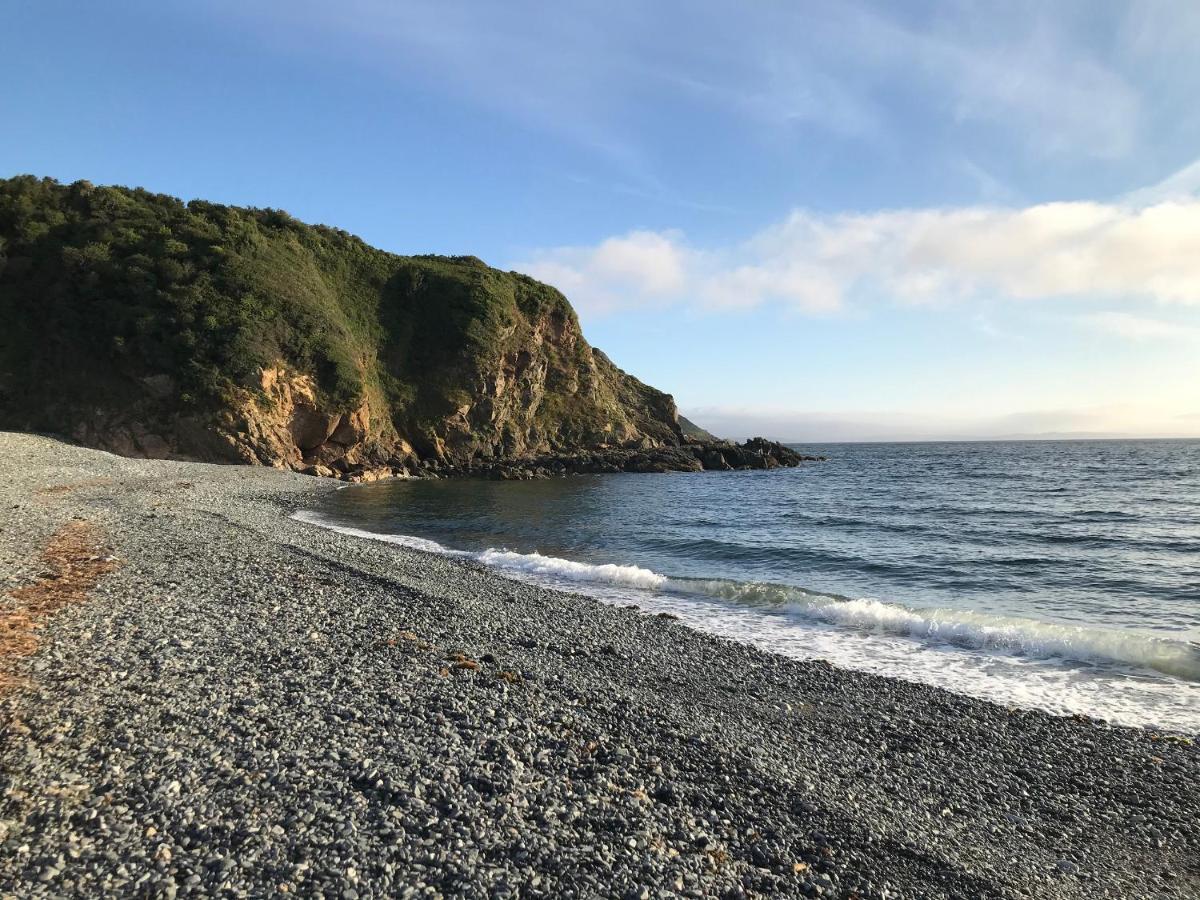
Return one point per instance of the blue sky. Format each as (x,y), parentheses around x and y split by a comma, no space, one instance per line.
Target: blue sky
(814,220)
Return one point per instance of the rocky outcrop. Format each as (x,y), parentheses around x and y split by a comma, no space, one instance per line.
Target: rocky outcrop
(285,424)
(757,453)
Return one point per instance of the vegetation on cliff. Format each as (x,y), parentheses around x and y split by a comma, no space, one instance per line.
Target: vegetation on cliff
(141,323)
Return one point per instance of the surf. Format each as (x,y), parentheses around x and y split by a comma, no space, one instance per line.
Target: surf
(982,632)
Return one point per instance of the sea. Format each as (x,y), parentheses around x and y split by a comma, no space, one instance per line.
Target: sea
(1057,575)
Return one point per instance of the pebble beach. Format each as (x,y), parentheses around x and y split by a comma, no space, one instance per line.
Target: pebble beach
(204,696)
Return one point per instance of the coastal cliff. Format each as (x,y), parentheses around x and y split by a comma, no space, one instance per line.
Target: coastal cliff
(147,326)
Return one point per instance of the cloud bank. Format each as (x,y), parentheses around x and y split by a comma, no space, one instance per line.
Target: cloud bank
(1113,420)
(825,263)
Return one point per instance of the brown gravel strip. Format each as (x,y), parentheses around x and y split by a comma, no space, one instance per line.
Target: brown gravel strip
(75,559)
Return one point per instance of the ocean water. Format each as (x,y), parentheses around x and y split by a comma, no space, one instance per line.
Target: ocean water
(1058,575)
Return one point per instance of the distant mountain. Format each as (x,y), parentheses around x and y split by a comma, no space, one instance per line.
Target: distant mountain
(140,324)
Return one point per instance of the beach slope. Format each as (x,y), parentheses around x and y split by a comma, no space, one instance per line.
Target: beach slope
(202,695)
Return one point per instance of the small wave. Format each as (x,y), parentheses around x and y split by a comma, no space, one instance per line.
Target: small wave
(964,628)
(554,567)
(1102,515)
(403,540)
(509,560)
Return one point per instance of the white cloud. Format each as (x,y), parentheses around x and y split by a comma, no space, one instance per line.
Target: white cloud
(818,264)
(645,258)
(640,268)
(1139,328)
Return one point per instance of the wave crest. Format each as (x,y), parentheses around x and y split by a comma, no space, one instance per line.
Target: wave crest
(554,567)
(964,628)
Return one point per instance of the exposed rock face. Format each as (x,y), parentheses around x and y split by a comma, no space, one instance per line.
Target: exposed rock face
(536,389)
(512,407)
(547,392)
(286,425)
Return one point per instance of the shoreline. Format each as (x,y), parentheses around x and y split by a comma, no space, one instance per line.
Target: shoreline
(248,702)
(900,633)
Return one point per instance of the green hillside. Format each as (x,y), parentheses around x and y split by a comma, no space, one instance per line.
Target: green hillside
(133,318)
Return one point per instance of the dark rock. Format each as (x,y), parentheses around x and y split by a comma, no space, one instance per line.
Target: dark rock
(692,457)
(714,460)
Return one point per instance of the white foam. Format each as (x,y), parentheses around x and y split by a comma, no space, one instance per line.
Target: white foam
(404,540)
(554,567)
(973,630)
(1113,694)
(518,563)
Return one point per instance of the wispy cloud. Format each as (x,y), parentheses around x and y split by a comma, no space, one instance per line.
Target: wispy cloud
(595,73)
(822,263)
(1018,69)
(560,71)
(655,193)
(990,188)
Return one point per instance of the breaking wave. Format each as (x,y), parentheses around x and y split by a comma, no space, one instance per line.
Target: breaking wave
(403,540)
(964,628)
(554,567)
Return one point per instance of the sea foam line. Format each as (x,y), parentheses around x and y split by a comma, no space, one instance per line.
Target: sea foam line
(554,567)
(961,628)
(404,540)
(521,563)
(964,628)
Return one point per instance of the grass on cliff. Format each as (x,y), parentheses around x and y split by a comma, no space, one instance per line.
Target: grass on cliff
(102,287)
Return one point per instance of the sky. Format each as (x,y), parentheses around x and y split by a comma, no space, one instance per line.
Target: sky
(815,221)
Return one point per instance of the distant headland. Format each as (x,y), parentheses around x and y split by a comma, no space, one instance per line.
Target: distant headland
(147,326)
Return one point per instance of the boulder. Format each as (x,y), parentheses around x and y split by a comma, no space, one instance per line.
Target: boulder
(310,428)
(714,460)
(352,428)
